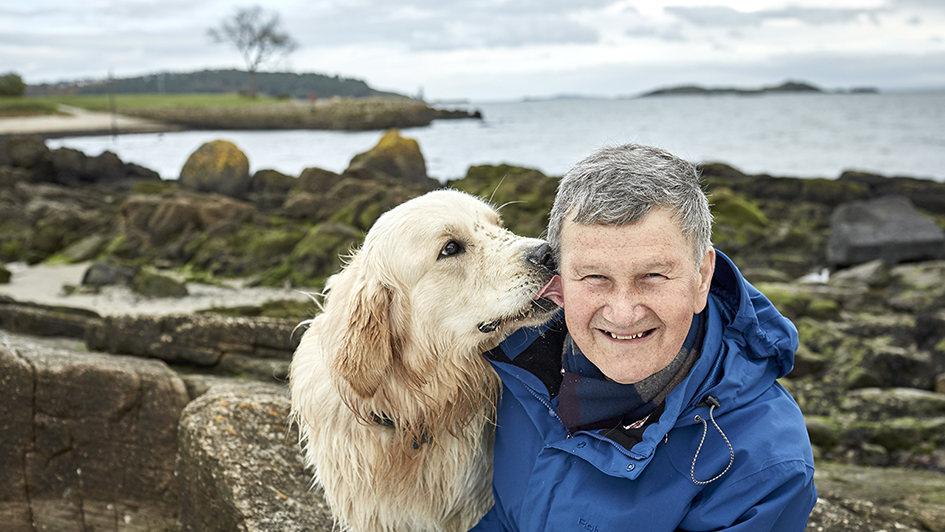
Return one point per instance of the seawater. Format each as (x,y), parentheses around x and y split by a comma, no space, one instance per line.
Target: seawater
(797,135)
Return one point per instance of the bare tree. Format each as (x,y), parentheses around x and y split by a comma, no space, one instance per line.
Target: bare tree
(257,36)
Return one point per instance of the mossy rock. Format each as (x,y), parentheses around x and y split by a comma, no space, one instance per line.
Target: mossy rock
(5,274)
(316,257)
(823,431)
(217,166)
(524,195)
(394,156)
(739,221)
(150,284)
(152,187)
(280,309)
(317,180)
(250,250)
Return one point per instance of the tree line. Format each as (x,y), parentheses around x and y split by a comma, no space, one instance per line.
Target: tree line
(274,84)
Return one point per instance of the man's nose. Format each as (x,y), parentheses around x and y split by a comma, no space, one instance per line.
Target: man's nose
(541,256)
(623,309)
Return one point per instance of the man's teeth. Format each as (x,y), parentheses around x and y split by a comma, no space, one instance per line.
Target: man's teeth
(630,337)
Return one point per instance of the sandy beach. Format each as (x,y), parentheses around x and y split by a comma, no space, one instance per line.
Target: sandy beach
(74,121)
(43,284)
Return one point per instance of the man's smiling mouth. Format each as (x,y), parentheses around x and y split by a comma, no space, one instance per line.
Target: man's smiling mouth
(628,337)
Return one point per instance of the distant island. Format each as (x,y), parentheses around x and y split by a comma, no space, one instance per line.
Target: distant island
(788,86)
(273,84)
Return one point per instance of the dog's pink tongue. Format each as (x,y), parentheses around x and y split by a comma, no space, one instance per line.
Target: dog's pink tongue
(552,291)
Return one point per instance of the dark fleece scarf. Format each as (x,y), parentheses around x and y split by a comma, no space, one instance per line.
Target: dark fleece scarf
(588,401)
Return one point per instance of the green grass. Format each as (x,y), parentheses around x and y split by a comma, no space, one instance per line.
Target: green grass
(18,106)
(132,101)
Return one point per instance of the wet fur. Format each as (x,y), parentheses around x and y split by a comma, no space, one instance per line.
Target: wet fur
(398,339)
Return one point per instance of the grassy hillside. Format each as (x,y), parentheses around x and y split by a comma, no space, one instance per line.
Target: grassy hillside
(273,84)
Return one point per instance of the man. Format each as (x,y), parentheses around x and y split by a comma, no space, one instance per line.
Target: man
(652,405)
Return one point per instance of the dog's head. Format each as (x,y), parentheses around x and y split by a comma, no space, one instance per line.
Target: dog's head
(437,277)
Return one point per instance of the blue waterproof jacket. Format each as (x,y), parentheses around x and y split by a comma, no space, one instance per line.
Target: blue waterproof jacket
(672,474)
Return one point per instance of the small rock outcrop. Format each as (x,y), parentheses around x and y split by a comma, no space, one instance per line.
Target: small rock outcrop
(394,156)
(887,228)
(217,166)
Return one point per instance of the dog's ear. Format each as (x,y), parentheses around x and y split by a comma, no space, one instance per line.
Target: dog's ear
(366,353)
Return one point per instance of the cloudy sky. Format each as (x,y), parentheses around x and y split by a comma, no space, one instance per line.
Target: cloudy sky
(500,49)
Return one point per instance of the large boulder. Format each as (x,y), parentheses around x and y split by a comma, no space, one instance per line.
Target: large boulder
(394,156)
(240,464)
(87,440)
(887,228)
(217,166)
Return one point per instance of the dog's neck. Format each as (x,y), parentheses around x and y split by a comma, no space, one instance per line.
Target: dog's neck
(385,421)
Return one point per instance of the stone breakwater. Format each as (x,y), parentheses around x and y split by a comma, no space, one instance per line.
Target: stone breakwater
(349,114)
(179,421)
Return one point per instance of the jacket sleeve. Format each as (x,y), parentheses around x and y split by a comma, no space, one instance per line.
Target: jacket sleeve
(778,498)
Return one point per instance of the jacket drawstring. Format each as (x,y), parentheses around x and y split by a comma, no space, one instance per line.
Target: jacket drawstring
(712,403)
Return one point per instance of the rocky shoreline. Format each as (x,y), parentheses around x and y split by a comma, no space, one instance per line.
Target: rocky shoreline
(117,419)
(343,114)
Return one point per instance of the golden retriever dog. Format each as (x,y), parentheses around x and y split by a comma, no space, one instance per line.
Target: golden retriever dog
(394,402)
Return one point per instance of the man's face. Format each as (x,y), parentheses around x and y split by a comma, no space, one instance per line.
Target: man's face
(629,292)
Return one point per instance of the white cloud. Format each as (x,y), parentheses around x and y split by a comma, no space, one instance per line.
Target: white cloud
(501,48)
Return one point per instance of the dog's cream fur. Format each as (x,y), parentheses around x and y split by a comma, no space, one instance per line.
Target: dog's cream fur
(394,401)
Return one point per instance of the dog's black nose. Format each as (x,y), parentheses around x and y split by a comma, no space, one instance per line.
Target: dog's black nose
(542,256)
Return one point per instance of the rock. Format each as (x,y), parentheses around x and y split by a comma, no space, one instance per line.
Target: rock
(317,255)
(887,228)
(85,249)
(29,153)
(240,464)
(151,284)
(872,274)
(394,156)
(5,274)
(876,363)
(524,193)
(103,273)
(43,320)
(153,221)
(87,440)
(917,288)
(317,180)
(200,339)
(303,206)
(217,166)
(881,404)
(861,499)
(269,188)
(10,176)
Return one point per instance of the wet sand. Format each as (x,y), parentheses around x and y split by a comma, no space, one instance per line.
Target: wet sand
(74,121)
(43,284)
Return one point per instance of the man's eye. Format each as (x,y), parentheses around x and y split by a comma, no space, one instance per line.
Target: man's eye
(451,248)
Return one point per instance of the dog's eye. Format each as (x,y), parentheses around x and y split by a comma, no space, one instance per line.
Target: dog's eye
(451,248)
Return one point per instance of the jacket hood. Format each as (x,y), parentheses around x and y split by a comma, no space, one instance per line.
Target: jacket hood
(756,343)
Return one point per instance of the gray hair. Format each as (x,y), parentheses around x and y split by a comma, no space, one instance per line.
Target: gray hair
(619,185)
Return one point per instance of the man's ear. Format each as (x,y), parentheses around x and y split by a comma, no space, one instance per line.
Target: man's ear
(705,273)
